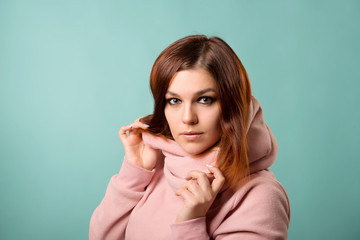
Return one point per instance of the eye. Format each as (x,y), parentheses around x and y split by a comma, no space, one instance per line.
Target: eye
(173,101)
(206,100)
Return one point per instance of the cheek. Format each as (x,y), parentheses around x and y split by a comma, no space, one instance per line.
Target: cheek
(170,119)
(212,120)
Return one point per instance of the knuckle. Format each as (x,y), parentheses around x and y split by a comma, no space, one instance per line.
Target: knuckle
(209,197)
(193,182)
(192,203)
(204,200)
(203,175)
(185,185)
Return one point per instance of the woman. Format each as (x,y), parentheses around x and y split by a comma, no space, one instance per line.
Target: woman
(197,167)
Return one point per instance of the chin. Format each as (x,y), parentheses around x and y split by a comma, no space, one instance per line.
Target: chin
(192,149)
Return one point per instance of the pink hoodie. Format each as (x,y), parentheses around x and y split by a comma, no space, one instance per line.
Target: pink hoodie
(141,204)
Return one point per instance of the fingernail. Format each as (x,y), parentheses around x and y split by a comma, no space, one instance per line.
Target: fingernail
(209,165)
(146,125)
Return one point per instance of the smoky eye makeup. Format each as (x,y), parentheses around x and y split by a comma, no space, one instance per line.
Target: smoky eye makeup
(172,101)
(206,100)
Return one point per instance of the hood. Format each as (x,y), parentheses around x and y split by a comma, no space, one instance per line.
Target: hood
(262,145)
(262,149)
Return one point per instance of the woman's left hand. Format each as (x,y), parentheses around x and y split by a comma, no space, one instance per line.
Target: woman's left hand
(199,192)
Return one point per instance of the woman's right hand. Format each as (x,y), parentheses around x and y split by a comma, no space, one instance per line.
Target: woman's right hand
(136,151)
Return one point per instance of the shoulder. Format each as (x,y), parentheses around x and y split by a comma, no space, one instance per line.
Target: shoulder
(262,189)
(259,206)
(259,194)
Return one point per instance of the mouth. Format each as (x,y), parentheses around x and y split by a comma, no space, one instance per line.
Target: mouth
(191,135)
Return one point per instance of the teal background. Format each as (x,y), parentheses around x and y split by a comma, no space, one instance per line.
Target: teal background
(73,72)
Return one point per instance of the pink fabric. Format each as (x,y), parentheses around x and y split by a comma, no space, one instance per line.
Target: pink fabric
(141,204)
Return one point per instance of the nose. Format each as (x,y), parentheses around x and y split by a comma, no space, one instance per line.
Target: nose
(189,115)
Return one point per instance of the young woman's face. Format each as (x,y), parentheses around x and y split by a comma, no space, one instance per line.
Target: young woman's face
(193,110)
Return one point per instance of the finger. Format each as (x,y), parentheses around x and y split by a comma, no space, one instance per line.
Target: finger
(132,128)
(193,187)
(195,174)
(219,178)
(201,177)
(123,130)
(185,194)
(140,124)
(137,126)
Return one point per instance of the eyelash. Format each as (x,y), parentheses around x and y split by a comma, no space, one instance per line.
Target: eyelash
(209,99)
(169,101)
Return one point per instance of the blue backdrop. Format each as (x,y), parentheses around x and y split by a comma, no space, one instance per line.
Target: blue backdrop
(73,72)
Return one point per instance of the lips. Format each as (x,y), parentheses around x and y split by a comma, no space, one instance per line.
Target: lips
(191,135)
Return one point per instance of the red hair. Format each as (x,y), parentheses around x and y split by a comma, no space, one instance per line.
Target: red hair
(234,93)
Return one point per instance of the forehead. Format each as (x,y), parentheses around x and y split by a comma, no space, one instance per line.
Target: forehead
(192,80)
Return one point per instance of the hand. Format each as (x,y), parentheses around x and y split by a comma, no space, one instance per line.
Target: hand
(199,192)
(136,151)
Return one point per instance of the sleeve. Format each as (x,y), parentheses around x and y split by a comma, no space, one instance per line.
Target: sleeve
(194,229)
(262,214)
(124,191)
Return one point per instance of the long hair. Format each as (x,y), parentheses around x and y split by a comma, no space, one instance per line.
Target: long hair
(234,93)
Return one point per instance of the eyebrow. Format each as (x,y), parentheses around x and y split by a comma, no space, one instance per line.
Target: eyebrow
(201,92)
